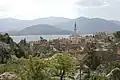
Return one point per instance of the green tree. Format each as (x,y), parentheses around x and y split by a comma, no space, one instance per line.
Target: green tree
(117,34)
(19,52)
(37,69)
(64,64)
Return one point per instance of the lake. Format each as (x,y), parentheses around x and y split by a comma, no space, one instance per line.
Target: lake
(37,37)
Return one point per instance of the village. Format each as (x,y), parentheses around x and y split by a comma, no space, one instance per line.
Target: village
(74,44)
(95,55)
(101,47)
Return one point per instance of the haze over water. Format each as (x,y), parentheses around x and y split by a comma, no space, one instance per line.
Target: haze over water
(37,37)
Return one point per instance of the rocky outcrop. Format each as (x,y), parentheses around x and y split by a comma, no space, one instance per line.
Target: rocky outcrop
(8,76)
(15,49)
(85,73)
(4,52)
(8,40)
(114,74)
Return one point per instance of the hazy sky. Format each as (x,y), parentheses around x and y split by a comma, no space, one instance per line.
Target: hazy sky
(32,9)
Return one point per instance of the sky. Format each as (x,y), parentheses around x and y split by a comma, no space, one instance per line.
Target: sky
(33,9)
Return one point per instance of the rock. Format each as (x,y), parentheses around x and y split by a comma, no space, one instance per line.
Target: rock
(4,52)
(101,70)
(8,76)
(6,39)
(85,73)
(114,74)
(8,46)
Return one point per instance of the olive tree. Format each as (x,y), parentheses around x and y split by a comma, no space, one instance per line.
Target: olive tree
(64,65)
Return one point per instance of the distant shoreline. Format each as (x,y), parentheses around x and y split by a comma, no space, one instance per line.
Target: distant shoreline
(37,37)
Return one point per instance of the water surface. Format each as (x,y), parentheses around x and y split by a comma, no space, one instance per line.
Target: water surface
(37,37)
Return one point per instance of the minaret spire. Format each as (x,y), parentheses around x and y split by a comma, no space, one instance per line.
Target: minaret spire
(75,28)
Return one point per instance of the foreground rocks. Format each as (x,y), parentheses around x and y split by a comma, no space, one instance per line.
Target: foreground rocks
(8,76)
(8,47)
(4,52)
(114,74)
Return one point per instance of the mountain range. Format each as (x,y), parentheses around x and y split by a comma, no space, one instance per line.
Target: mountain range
(42,29)
(57,25)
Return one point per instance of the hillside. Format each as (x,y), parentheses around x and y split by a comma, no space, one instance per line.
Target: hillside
(84,25)
(50,20)
(42,29)
(10,24)
(116,22)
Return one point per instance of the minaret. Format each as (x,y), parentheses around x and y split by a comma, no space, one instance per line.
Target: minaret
(75,28)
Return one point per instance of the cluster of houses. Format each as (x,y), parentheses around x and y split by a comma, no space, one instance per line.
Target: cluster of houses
(74,44)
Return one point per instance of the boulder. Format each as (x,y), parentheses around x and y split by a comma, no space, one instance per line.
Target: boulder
(85,73)
(8,76)
(114,74)
(8,47)
(4,52)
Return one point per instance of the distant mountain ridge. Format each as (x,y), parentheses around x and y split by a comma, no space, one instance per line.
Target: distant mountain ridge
(8,24)
(116,22)
(84,25)
(42,29)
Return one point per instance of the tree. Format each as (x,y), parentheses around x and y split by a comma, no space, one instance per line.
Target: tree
(41,38)
(23,42)
(19,52)
(64,64)
(37,69)
(117,35)
(93,61)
